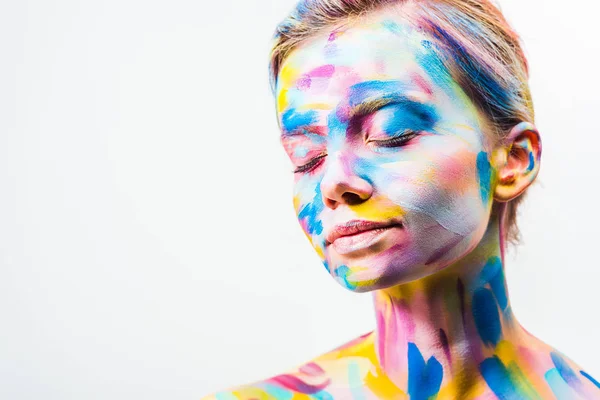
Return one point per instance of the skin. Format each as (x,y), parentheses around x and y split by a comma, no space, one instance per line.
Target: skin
(445,327)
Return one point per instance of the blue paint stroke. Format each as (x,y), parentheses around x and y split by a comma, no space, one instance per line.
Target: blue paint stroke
(337,126)
(311,212)
(487,319)
(588,376)
(493,273)
(277,392)
(565,371)
(292,119)
(326,265)
(322,395)
(531,162)
(424,379)
(225,396)
(376,89)
(409,115)
(484,171)
(559,387)
(393,26)
(482,85)
(498,379)
(355,382)
(343,272)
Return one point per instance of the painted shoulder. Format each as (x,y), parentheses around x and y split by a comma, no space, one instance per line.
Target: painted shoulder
(537,371)
(568,380)
(348,363)
(551,372)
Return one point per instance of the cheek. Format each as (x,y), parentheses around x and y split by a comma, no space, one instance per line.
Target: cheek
(442,184)
(308,203)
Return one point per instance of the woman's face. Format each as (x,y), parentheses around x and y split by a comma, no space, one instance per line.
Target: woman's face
(392,174)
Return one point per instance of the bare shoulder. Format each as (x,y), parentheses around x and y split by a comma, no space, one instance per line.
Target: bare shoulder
(314,379)
(340,373)
(564,378)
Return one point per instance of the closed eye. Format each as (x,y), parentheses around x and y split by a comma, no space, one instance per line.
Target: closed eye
(310,165)
(395,141)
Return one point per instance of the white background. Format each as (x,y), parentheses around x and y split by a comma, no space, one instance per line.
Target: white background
(148,245)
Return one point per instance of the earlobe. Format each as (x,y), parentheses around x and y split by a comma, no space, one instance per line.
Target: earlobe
(517,161)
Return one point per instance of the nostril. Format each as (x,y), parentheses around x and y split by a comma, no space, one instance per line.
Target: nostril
(352,199)
(330,203)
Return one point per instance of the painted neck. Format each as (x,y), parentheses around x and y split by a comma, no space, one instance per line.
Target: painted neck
(442,327)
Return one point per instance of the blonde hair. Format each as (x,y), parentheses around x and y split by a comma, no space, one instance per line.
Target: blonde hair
(473,40)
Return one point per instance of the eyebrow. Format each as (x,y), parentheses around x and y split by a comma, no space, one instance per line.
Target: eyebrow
(365,98)
(373,104)
(370,96)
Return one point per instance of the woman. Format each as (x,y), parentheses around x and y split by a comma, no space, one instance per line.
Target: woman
(410,127)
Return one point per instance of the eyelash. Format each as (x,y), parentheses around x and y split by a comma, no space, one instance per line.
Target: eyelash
(396,141)
(310,165)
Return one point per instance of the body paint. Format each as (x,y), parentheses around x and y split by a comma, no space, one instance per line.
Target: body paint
(445,327)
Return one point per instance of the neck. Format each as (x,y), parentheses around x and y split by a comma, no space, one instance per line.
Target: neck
(439,329)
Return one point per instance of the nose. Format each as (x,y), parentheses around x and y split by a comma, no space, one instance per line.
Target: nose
(341,185)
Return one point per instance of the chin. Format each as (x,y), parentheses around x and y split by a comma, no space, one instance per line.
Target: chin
(400,263)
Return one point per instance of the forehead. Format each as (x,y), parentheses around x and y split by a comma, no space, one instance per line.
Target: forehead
(321,72)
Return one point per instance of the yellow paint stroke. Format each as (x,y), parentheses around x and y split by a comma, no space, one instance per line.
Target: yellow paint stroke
(506,352)
(282,100)
(378,210)
(522,382)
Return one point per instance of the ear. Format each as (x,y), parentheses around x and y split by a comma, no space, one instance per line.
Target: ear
(517,161)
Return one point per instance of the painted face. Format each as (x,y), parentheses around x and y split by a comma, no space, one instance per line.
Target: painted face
(392,174)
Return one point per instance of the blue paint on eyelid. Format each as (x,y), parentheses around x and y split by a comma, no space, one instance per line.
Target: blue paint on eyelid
(408,115)
(293,119)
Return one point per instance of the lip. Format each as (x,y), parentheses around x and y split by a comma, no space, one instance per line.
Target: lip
(358,234)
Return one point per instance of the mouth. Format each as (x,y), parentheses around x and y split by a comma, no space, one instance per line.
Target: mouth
(359,235)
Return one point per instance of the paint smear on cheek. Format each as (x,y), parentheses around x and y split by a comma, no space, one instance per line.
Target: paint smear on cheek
(484,171)
(312,226)
(309,207)
(452,175)
(443,188)
(379,207)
